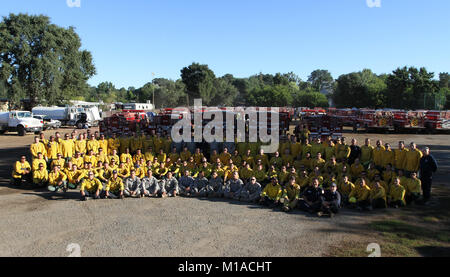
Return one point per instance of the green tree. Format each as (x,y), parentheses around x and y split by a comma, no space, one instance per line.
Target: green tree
(360,89)
(225,92)
(199,81)
(310,99)
(410,88)
(41,60)
(444,80)
(168,93)
(321,79)
(271,96)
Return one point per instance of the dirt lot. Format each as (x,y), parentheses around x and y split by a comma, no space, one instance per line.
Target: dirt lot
(37,223)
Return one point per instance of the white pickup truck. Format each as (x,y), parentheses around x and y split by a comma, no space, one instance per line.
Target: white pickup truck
(20,122)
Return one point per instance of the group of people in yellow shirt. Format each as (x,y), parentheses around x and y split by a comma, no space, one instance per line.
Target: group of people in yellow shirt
(376,177)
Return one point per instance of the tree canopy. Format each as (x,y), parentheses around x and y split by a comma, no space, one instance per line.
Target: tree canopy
(42,61)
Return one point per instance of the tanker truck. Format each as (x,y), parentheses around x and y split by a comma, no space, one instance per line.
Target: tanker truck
(71,116)
(20,122)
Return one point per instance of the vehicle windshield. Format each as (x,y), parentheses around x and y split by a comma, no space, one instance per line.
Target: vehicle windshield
(24,115)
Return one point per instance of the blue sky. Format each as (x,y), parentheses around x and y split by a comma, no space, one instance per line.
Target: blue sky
(134,39)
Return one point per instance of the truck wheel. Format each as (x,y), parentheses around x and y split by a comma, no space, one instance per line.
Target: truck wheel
(2,132)
(80,125)
(21,130)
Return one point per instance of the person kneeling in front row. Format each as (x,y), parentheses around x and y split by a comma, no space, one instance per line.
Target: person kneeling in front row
(331,201)
(91,187)
(312,198)
(132,186)
(271,194)
(170,186)
(115,187)
(150,185)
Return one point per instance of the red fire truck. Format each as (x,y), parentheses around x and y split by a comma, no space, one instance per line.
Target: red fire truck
(370,120)
(322,125)
(437,121)
(408,120)
(346,116)
(123,122)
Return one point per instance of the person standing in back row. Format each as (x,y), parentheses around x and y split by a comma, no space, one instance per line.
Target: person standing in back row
(428,166)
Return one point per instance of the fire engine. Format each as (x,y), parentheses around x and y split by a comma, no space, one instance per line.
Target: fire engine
(437,120)
(370,120)
(408,120)
(123,122)
(322,125)
(346,116)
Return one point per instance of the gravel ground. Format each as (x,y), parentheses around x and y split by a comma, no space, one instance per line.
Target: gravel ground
(37,223)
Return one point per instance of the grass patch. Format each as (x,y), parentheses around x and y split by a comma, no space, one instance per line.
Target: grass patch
(431,219)
(415,231)
(398,239)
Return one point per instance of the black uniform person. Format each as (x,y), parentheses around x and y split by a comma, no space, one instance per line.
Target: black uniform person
(428,166)
(355,152)
(312,198)
(331,201)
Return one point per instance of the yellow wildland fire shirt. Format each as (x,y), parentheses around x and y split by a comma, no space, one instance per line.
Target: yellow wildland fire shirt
(92,145)
(123,172)
(388,176)
(91,186)
(385,185)
(115,185)
(80,146)
(360,193)
(55,178)
(124,157)
(78,161)
(412,160)
(36,162)
(124,144)
(345,188)
(90,159)
(58,162)
(260,175)
(296,149)
(113,144)
(198,158)
(283,176)
(272,192)
(36,148)
(413,186)
(387,157)
(138,157)
(366,153)
(400,158)
(355,170)
(102,157)
(291,192)
(40,176)
(378,155)
(20,168)
(185,155)
(246,173)
(103,144)
(397,193)
(52,150)
(163,157)
(67,148)
(75,176)
(377,193)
